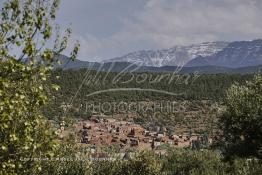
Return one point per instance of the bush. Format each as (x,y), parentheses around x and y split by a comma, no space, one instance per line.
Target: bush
(143,163)
(241,122)
(188,162)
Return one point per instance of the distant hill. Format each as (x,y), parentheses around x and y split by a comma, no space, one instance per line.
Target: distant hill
(66,64)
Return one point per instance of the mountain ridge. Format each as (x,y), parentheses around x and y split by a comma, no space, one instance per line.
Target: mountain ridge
(175,56)
(225,54)
(234,57)
(237,54)
(67,64)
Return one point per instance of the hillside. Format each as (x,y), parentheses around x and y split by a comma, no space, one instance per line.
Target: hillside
(81,83)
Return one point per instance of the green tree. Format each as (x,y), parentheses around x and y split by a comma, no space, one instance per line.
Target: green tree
(188,162)
(145,163)
(242,120)
(242,166)
(26,27)
(70,160)
(142,163)
(23,131)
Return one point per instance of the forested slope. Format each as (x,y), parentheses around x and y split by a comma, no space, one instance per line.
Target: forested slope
(80,85)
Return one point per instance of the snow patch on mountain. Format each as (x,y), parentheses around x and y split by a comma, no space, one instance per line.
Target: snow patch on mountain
(175,56)
(236,54)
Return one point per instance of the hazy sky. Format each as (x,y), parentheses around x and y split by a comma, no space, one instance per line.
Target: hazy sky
(108,28)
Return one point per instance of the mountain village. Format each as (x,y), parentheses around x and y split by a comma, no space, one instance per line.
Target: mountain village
(124,135)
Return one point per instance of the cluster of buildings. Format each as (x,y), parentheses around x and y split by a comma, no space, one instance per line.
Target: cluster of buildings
(125,135)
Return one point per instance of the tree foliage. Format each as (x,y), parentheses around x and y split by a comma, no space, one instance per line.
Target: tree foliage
(205,87)
(143,163)
(26,27)
(68,161)
(24,133)
(242,121)
(194,162)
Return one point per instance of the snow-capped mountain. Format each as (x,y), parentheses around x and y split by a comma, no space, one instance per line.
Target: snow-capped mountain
(215,57)
(175,56)
(236,54)
(67,64)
